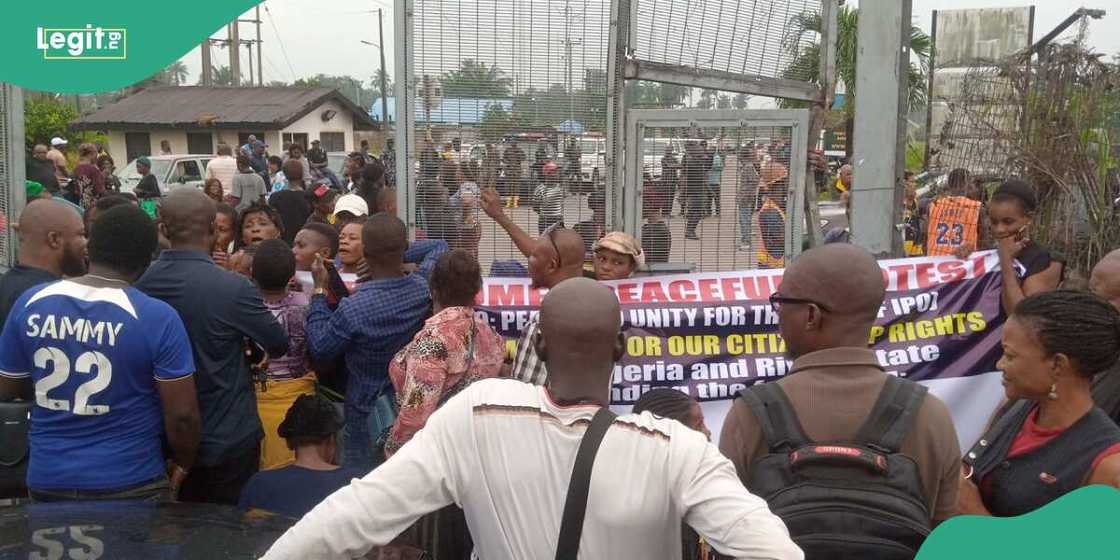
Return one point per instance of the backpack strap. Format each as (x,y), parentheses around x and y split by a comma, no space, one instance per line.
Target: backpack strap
(575,505)
(892,415)
(776,417)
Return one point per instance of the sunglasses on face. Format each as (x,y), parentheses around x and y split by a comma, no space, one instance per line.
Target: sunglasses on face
(777,300)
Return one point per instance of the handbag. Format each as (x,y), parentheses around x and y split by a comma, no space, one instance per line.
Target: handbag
(575,505)
(15,424)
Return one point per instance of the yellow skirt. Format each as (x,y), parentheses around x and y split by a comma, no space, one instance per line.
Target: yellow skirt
(273,405)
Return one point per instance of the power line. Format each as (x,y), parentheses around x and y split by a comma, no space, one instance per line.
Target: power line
(280,41)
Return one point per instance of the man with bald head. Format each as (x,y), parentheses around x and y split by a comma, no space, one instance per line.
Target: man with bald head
(52,244)
(827,302)
(370,326)
(554,257)
(220,310)
(1105,282)
(505,451)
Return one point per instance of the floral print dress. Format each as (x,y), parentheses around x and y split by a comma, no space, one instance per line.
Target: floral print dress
(452,350)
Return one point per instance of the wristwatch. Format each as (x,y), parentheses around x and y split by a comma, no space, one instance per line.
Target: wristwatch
(319,292)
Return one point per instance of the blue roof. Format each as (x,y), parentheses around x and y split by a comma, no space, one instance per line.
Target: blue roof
(451,110)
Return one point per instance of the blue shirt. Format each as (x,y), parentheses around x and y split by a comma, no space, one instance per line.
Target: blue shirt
(293,490)
(371,325)
(220,309)
(94,356)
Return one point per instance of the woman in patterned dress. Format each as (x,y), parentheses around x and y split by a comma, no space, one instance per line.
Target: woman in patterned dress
(453,349)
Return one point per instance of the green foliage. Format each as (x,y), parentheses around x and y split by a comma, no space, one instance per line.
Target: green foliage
(475,79)
(45,117)
(496,123)
(915,156)
(807,57)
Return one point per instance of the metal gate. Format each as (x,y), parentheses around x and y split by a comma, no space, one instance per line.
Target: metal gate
(707,187)
(12,192)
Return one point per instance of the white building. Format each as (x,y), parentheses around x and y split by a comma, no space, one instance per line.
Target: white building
(195,119)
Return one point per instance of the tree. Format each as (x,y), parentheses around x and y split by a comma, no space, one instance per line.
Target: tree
(220,76)
(707,99)
(352,88)
(375,84)
(723,101)
(176,73)
(496,123)
(475,79)
(740,101)
(45,117)
(807,58)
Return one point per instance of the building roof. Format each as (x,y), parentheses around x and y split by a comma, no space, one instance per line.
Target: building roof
(266,108)
(451,110)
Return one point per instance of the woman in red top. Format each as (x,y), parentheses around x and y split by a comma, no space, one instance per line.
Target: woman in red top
(1049,439)
(453,349)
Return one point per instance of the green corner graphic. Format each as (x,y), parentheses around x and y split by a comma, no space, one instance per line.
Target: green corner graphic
(1079,525)
(151,38)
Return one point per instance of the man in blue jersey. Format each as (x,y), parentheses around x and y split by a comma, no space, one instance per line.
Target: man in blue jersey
(111,369)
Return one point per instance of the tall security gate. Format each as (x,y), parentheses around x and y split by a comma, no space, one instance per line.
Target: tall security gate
(729,169)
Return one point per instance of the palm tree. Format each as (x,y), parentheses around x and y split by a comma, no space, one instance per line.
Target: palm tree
(807,58)
(176,72)
(475,79)
(375,83)
(707,99)
(740,101)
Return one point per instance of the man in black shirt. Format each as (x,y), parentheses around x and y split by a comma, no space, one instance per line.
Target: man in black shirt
(52,244)
(41,169)
(220,310)
(148,186)
(292,203)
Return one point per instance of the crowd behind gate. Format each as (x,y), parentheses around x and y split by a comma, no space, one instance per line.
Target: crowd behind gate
(165,352)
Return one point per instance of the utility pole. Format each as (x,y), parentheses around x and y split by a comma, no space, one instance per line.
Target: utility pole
(568,43)
(234,54)
(260,67)
(384,91)
(882,63)
(207,66)
(249,45)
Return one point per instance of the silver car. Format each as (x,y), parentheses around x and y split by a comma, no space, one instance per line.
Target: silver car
(174,171)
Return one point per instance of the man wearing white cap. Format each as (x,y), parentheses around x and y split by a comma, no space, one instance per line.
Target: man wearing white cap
(349,207)
(55,155)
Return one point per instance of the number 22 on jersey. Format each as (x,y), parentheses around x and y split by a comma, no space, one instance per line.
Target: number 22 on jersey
(88,363)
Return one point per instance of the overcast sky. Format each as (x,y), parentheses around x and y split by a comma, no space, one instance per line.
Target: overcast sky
(303,38)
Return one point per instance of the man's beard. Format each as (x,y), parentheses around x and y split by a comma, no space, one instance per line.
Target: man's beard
(73,263)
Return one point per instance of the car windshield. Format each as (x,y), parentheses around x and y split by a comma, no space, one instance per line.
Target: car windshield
(159,169)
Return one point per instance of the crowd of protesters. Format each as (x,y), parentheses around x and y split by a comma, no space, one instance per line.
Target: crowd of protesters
(371,402)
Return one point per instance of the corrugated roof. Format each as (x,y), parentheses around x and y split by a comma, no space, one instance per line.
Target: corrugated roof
(217,107)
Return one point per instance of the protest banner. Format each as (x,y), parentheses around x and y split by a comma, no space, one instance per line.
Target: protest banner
(712,335)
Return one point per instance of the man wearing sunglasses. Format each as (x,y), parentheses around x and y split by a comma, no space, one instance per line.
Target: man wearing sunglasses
(827,302)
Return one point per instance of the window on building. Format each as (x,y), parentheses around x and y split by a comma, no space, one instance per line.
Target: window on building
(295,138)
(200,143)
(137,144)
(333,141)
(243,137)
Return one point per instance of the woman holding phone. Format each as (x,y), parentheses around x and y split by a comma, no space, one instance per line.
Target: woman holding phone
(1028,268)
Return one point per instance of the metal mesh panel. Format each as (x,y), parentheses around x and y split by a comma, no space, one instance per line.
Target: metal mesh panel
(11,110)
(524,73)
(716,197)
(738,36)
(974,121)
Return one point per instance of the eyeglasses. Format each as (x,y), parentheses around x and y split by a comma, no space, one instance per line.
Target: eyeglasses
(777,300)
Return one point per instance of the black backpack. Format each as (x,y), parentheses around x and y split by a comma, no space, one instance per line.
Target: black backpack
(843,500)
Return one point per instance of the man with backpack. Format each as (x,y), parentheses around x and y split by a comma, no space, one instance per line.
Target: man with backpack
(551,472)
(856,462)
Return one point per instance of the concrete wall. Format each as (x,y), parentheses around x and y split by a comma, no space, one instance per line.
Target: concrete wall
(312,124)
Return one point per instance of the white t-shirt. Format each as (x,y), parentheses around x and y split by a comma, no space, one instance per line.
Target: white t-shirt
(504,452)
(222,168)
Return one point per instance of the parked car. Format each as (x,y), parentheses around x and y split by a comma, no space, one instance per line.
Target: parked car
(172,171)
